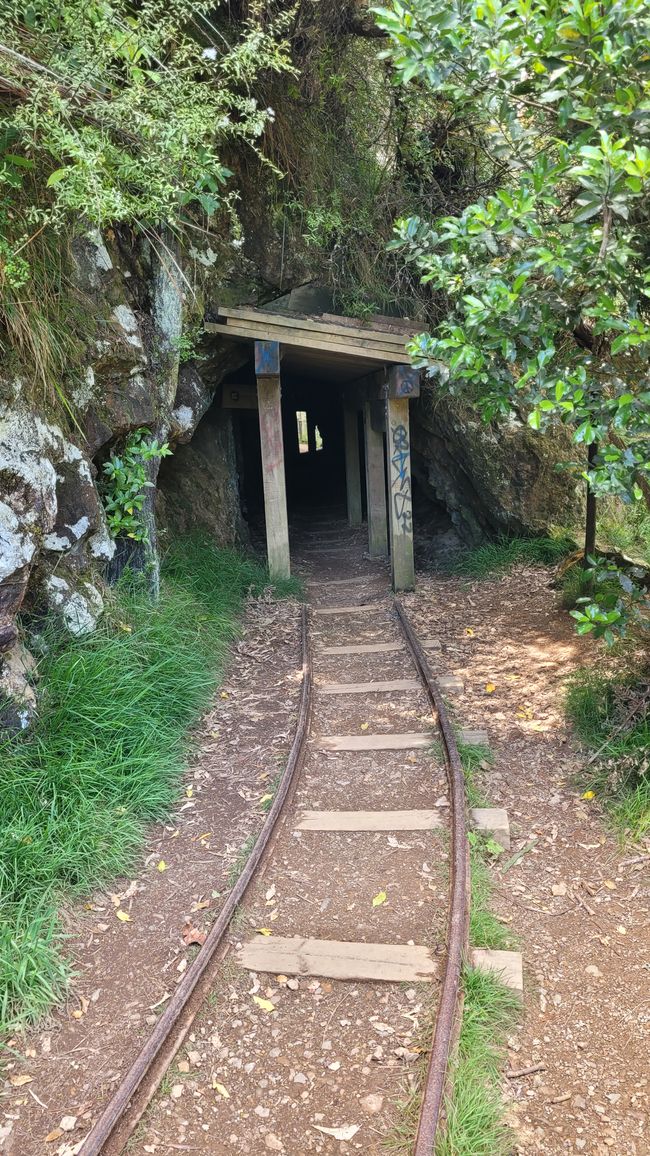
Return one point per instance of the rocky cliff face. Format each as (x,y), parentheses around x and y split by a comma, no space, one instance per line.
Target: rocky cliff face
(55,549)
(492,479)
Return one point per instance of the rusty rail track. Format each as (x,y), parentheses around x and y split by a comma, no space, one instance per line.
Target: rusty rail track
(170,1025)
(449,1008)
(132,1097)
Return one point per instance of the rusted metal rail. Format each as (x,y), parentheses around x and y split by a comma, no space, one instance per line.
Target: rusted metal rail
(447,1019)
(140,1084)
(171,1019)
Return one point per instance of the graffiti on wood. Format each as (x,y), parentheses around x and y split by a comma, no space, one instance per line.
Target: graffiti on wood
(401,479)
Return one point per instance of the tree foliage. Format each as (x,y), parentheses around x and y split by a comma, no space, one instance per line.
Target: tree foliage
(546,279)
(120,112)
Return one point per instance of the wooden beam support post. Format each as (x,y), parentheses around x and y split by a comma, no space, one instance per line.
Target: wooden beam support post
(267,370)
(375,483)
(352,466)
(403,383)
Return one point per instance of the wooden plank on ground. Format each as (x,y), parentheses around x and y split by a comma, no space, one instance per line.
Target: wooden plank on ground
(365,648)
(344,581)
(508,965)
(492,821)
(351,609)
(474,738)
(336,959)
(390,742)
(369,687)
(368,821)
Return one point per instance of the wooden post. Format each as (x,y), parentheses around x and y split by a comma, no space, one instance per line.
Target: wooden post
(375,484)
(352,467)
(403,382)
(267,370)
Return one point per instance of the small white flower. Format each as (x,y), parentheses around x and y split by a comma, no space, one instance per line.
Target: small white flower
(270,112)
(209,54)
(237,242)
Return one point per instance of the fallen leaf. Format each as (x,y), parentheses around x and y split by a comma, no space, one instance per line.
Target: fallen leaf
(264,1004)
(162,866)
(282,978)
(193,934)
(364,726)
(124,916)
(490,688)
(469,632)
(200,906)
(221,1090)
(55,1134)
(189,791)
(271,892)
(265,799)
(20,1081)
(380,898)
(346,1132)
(264,931)
(621,930)
(610,885)
(589,795)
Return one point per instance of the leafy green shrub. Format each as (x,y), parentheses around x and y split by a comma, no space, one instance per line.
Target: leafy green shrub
(107,754)
(125,482)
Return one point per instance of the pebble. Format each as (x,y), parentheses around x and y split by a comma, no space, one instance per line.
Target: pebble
(372,1103)
(273,1142)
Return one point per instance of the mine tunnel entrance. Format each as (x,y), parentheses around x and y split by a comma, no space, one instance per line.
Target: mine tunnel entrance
(321,414)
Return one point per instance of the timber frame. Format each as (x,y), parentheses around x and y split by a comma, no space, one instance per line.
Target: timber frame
(370,361)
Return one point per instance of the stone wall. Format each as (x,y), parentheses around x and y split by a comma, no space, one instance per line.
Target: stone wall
(492,479)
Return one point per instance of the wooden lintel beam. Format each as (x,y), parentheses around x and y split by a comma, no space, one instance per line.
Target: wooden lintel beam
(403,381)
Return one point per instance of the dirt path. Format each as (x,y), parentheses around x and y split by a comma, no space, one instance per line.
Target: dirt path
(125,971)
(579,908)
(324,1053)
(329,1054)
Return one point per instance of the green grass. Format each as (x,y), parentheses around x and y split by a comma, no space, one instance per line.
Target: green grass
(474,1125)
(107,754)
(485,930)
(625,527)
(599,707)
(475,758)
(500,556)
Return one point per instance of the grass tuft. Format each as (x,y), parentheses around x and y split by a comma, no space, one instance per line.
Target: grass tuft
(611,717)
(500,556)
(107,754)
(474,1125)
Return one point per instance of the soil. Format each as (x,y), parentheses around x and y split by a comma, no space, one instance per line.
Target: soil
(330,1055)
(577,900)
(125,971)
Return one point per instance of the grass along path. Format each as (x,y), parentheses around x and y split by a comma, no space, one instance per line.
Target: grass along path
(107,755)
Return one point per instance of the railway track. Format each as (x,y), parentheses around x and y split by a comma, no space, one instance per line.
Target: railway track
(362,662)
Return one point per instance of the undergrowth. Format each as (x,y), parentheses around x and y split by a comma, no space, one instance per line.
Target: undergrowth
(107,754)
(611,717)
(500,556)
(474,1124)
(474,1106)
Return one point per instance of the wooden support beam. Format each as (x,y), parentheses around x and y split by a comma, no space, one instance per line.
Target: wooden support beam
(267,367)
(400,494)
(352,467)
(375,485)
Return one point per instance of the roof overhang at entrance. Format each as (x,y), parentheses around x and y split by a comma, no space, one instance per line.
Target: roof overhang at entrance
(327,347)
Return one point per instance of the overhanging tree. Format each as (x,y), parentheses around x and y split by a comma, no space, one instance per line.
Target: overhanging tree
(546,279)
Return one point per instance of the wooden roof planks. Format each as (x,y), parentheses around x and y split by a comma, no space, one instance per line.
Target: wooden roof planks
(342,335)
